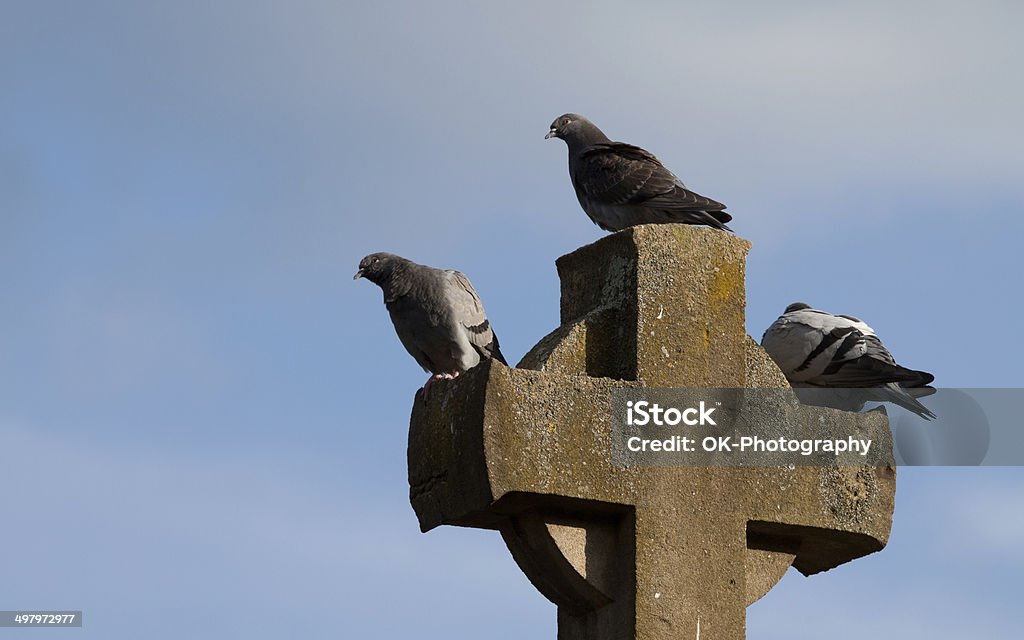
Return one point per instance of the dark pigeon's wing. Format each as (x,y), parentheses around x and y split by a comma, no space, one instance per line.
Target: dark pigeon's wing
(617,173)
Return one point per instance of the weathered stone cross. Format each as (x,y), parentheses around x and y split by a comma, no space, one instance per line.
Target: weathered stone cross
(639,552)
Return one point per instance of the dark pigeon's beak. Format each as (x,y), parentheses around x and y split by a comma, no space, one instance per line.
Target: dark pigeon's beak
(550,134)
(359,274)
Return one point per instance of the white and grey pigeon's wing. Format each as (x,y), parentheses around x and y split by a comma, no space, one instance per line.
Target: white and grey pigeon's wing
(815,348)
(468,311)
(617,174)
(839,351)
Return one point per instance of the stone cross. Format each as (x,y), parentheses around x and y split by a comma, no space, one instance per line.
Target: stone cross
(639,552)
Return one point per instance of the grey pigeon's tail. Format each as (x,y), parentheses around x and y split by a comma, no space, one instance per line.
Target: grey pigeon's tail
(907,398)
(494,350)
(491,349)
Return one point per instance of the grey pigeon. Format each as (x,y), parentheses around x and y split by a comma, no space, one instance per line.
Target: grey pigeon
(620,185)
(436,312)
(817,349)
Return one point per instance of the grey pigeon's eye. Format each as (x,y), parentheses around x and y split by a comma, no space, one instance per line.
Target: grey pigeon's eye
(566,121)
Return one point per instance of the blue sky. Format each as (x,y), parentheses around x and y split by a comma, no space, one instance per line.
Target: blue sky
(203,420)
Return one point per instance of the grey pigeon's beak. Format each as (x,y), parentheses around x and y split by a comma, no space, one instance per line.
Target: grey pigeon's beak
(359,274)
(550,134)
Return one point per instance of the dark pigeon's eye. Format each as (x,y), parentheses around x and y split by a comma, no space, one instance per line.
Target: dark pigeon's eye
(565,121)
(376,259)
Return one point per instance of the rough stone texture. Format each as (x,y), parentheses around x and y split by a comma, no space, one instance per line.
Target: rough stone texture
(639,552)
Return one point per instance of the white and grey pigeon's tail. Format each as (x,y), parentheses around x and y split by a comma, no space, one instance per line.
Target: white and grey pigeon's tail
(907,398)
(817,349)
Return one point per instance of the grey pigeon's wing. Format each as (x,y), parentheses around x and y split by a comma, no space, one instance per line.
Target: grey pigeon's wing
(469,312)
(617,173)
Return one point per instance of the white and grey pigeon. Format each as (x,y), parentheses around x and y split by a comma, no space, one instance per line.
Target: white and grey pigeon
(817,349)
(437,315)
(620,185)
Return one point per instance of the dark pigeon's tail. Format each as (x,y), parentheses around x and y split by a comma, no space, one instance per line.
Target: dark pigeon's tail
(713,219)
(719,219)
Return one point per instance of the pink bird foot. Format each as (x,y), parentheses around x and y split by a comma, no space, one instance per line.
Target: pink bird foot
(425,391)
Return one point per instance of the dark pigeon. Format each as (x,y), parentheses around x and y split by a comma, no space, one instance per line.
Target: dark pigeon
(619,185)
(436,312)
(817,349)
